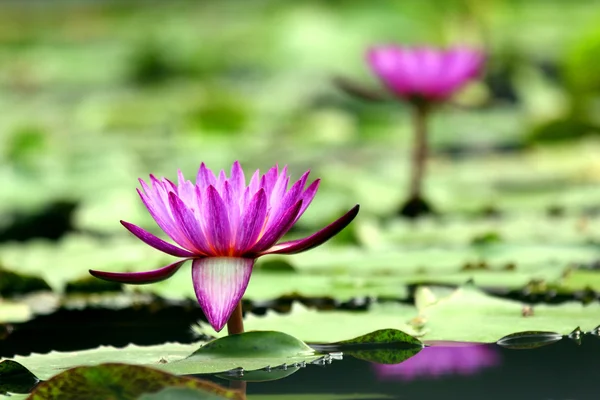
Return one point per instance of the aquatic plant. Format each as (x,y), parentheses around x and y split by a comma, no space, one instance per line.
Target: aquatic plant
(423,77)
(222,226)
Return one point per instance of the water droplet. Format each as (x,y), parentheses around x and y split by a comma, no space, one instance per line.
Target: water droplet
(576,335)
(267,368)
(236,372)
(595,331)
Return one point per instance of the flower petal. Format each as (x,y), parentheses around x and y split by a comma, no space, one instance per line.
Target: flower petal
(220,283)
(155,241)
(163,218)
(252,222)
(316,239)
(140,278)
(237,179)
(279,227)
(205,177)
(217,228)
(308,196)
(189,225)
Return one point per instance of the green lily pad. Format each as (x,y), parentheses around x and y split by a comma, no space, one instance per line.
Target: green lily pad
(13,283)
(384,346)
(255,351)
(248,351)
(179,393)
(121,381)
(383,337)
(529,340)
(470,315)
(15,378)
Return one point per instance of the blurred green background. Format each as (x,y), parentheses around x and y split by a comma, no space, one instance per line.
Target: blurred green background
(95,94)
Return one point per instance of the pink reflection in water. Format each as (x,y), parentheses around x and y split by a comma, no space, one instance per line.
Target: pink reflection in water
(436,361)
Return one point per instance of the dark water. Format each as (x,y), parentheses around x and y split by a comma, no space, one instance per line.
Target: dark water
(563,370)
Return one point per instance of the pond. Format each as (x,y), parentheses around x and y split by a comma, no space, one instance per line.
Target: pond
(563,370)
(529,368)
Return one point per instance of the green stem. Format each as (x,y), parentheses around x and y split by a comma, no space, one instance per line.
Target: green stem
(420,150)
(236,321)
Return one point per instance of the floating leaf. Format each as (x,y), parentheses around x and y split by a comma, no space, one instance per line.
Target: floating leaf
(470,315)
(249,351)
(179,393)
(529,340)
(383,337)
(384,346)
(120,381)
(15,378)
(13,284)
(259,350)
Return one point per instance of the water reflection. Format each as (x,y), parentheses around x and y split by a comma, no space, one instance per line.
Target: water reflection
(436,361)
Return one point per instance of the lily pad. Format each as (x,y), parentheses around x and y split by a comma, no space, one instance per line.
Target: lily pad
(477,317)
(179,393)
(121,381)
(15,378)
(13,283)
(529,340)
(257,351)
(384,346)
(248,351)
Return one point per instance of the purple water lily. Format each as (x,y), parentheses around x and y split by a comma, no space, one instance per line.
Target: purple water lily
(425,73)
(222,225)
(423,77)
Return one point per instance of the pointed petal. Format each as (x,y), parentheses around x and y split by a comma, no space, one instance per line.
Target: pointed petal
(237,179)
(155,241)
(254,184)
(268,180)
(316,239)
(252,222)
(189,226)
(217,221)
(308,196)
(232,206)
(220,283)
(205,177)
(279,228)
(139,278)
(163,219)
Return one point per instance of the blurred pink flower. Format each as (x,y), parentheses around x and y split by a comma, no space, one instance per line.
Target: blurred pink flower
(436,361)
(425,73)
(222,225)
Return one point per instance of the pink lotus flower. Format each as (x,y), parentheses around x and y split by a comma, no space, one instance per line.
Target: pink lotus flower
(222,225)
(436,361)
(425,73)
